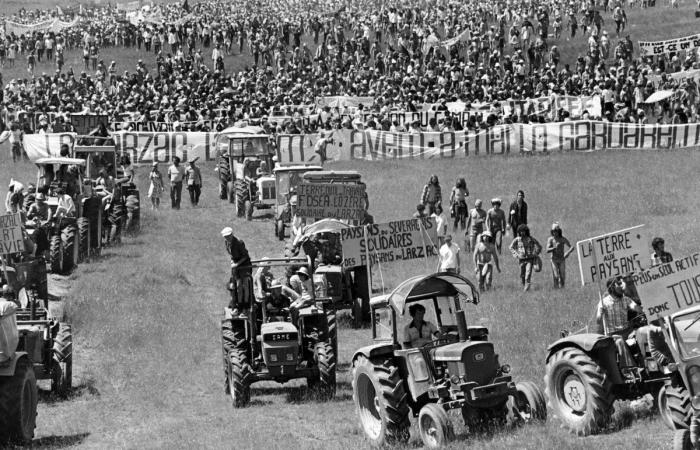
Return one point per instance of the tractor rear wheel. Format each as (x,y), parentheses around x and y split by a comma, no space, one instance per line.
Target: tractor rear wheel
(239,378)
(279,229)
(69,236)
(241,192)
(83,239)
(529,402)
(381,401)
(326,360)
(681,440)
(56,254)
(18,401)
(435,426)
(63,356)
(248,206)
(231,192)
(578,391)
(674,407)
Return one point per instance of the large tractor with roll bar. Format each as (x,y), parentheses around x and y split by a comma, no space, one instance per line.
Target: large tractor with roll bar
(586,374)
(71,238)
(258,346)
(245,164)
(456,370)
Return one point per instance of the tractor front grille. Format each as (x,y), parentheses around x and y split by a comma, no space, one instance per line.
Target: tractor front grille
(479,362)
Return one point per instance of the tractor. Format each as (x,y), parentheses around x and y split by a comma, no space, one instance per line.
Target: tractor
(682,331)
(287,178)
(245,162)
(19,395)
(457,370)
(344,287)
(124,207)
(258,346)
(584,377)
(71,238)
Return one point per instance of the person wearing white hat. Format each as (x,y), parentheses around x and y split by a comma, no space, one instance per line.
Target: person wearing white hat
(301,283)
(555,247)
(241,282)
(484,256)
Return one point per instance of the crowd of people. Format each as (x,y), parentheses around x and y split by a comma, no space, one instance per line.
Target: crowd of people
(407,56)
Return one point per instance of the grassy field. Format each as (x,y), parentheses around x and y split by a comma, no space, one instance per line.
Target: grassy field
(656,23)
(146,315)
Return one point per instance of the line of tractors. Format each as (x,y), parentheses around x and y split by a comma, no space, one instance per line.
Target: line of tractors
(460,370)
(35,342)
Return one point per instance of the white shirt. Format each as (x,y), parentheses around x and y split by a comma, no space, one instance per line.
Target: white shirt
(441,221)
(448,256)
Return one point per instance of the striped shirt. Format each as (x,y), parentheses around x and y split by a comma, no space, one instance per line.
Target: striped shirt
(612,314)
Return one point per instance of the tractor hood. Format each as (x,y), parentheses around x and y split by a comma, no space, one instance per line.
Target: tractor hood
(277,327)
(457,351)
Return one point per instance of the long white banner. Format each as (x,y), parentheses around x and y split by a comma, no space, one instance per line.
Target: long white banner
(651,48)
(581,136)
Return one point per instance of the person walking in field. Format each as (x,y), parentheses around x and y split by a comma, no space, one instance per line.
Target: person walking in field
(449,256)
(193,177)
(518,213)
(156,187)
(176,173)
(458,204)
(526,250)
(432,194)
(484,257)
(475,225)
(441,222)
(555,247)
(496,222)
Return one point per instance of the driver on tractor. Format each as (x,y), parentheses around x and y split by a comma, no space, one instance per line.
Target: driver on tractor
(612,318)
(278,301)
(66,206)
(419,332)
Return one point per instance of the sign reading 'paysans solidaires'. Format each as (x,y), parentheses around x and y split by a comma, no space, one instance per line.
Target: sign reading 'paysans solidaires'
(11,239)
(669,288)
(331,200)
(612,254)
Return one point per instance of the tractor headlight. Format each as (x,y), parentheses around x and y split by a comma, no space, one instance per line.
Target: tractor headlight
(273,357)
(505,368)
(694,377)
(290,357)
(418,367)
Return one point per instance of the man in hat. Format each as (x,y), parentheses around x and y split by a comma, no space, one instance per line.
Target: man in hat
(241,282)
(193,178)
(301,283)
(278,298)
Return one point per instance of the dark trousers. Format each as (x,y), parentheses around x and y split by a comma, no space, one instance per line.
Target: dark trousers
(175,194)
(195,191)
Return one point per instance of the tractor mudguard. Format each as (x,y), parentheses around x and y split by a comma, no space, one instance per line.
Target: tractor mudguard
(374,351)
(600,347)
(7,369)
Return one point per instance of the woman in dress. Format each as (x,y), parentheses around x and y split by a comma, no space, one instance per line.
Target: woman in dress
(156,188)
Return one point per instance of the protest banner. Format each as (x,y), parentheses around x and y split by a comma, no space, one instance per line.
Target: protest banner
(400,240)
(668,288)
(652,48)
(344,101)
(46,145)
(11,239)
(331,200)
(163,147)
(612,254)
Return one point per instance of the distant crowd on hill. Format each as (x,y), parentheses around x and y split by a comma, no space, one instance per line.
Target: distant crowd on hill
(406,56)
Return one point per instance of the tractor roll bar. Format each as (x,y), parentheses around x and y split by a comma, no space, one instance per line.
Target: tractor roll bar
(461,320)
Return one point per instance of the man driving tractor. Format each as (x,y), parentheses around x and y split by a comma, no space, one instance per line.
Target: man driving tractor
(419,332)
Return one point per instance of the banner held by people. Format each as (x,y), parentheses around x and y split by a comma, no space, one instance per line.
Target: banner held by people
(390,242)
(11,239)
(612,254)
(653,48)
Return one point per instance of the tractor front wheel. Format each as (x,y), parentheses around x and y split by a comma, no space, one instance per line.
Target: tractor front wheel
(83,239)
(69,236)
(381,401)
(674,407)
(241,194)
(529,402)
(578,391)
(239,377)
(435,426)
(18,402)
(326,360)
(63,357)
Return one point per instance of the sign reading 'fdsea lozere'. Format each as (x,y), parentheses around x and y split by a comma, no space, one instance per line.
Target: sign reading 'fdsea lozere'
(613,254)
(669,288)
(11,239)
(331,200)
(401,240)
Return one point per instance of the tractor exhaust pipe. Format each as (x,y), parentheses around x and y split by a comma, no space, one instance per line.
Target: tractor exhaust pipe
(461,320)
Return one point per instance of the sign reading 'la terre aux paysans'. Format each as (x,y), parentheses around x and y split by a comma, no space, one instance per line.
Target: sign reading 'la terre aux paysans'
(613,254)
